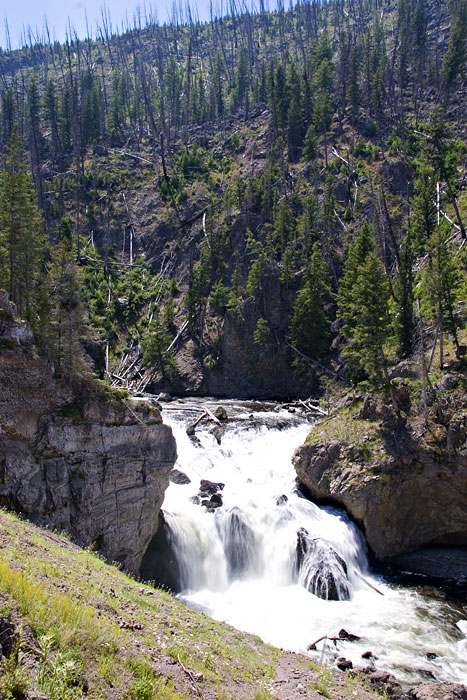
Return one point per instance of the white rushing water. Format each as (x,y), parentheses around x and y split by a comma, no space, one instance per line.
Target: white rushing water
(239,563)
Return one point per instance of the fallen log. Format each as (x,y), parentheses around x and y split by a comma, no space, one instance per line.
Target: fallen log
(212,416)
(341,637)
(370,585)
(312,407)
(191,428)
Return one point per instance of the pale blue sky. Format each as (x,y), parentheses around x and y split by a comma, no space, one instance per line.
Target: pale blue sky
(23,13)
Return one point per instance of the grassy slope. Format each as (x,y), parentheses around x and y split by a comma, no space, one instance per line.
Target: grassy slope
(85,629)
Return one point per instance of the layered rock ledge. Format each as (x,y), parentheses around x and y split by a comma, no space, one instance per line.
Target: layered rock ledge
(404,489)
(75,460)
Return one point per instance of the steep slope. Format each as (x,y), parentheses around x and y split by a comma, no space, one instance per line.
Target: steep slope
(73,627)
(195,167)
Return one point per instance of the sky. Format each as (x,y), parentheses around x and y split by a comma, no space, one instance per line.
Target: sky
(19,14)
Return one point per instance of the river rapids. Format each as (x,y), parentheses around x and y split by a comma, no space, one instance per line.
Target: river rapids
(256,554)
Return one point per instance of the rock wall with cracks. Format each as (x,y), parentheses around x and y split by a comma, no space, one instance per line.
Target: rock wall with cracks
(94,468)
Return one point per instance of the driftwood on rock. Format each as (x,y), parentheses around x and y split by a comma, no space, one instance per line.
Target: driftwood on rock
(205,414)
(342,636)
(308,404)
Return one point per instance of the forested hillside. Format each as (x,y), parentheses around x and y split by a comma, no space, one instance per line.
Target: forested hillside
(249,206)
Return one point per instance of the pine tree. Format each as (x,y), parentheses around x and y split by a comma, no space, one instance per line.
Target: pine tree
(423,218)
(310,145)
(68,316)
(440,285)
(454,59)
(366,321)
(404,287)
(21,230)
(309,327)
(154,348)
(363,299)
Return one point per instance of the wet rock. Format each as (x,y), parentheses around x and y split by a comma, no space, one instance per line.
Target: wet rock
(436,563)
(321,570)
(425,673)
(160,563)
(178,477)
(212,503)
(194,439)
(369,655)
(343,664)
(431,656)
(218,432)
(384,682)
(239,541)
(343,634)
(281,500)
(164,397)
(208,488)
(221,413)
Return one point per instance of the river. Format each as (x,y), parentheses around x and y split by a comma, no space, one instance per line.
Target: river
(260,555)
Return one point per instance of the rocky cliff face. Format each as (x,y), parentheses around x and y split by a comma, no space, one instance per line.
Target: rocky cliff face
(95,468)
(404,493)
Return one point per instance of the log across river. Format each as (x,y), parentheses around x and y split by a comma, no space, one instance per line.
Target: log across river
(247,548)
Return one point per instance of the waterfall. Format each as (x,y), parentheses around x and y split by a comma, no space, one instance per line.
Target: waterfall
(252,551)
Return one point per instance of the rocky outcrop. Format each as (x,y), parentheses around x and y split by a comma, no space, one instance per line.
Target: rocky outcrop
(74,460)
(402,493)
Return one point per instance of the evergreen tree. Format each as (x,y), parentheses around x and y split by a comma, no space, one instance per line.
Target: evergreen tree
(404,287)
(284,226)
(51,109)
(423,218)
(262,334)
(310,145)
(154,348)
(367,322)
(363,299)
(440,285)
(454,59)
(307,225)
(68,316)
(8,114)
(21,230)
(309,327)
(241,79)
(443,154)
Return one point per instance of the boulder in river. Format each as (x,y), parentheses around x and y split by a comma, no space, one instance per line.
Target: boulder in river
(238,540)
(178,477)
(208,488)
(221,414)
(320,568)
